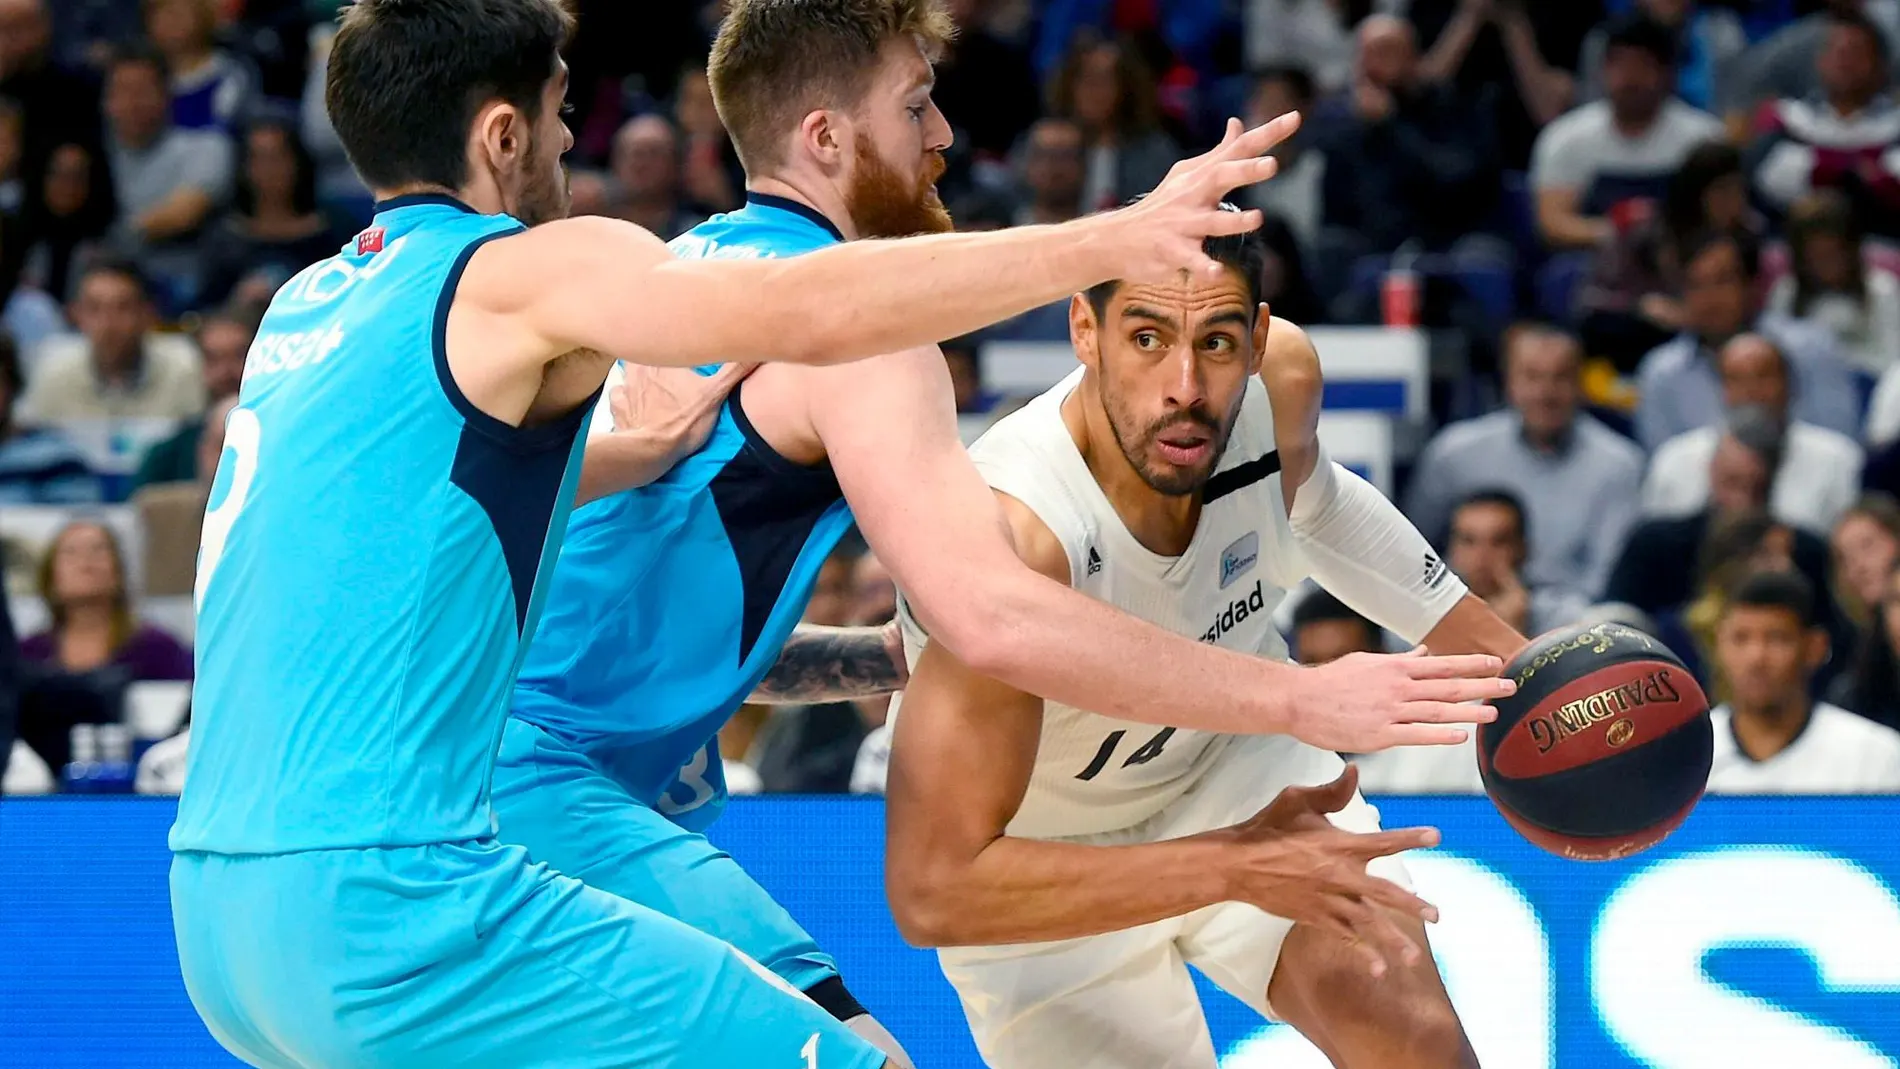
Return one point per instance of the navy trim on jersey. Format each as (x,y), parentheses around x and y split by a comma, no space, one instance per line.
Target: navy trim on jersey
(411,200)
(785,204)
(545,436)
(769,506)
(1239,477)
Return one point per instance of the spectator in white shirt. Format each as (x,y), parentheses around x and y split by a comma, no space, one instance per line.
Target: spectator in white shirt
(1817,471)
(1324,629)
(118,367)
(1772,737)
(1603,167)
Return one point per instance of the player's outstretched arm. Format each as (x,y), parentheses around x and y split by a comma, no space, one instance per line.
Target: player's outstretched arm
(889,428)
(1356,542)
(610,287)
(834,664)
(961,759)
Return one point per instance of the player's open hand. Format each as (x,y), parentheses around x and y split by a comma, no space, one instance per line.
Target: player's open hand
(1161,234)
(676,406)
(1366,702)
(1292,862)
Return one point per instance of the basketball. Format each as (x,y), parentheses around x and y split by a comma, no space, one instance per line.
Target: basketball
(1605,747)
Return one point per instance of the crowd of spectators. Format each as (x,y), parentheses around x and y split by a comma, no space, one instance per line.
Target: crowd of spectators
(1667,231)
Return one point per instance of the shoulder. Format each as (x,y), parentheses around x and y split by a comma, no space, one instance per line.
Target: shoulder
(1682,119)
(1576,126)
(1689,447)
(1290,351)
(1479,432)
(1612,446)
(1824,443)
(1853,728)
(1669,358)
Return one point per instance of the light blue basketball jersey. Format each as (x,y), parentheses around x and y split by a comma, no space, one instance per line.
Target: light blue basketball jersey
(672,600)
(371,562)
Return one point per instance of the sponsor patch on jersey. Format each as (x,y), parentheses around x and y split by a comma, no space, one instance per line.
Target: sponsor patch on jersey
(1435,571)
(1095,561)
(370,241)
(1238,559)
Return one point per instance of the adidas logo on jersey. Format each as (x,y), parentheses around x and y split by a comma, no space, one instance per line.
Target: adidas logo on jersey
(1094,562)
(1435,571)
(1236,611)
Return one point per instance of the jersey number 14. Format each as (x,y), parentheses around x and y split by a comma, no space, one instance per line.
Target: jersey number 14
(1149,751)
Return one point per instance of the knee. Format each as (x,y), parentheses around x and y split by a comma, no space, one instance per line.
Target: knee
(1434,1036)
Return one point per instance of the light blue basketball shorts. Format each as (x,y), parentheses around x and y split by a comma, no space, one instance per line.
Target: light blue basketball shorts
(574,818)
(471,955)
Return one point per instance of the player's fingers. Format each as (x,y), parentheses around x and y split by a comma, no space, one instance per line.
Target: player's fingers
(1219,224)
(1393,897)
(1261,139)
(1453,691)
(1230,175)
(1469,666)
(1368,845)
(1332,797)
(1397,943)
(1423,734)
(1359,929)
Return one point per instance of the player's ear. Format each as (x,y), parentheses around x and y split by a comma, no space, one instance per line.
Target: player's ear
(826,136)
(1262,330)
(1083,329)
(501,135)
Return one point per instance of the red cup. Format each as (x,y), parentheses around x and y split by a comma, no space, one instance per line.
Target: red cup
(1399,298)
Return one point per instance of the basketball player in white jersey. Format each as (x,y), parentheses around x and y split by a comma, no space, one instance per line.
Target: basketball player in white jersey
(1070,864)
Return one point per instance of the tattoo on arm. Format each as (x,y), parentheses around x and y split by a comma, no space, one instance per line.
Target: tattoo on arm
(829,664)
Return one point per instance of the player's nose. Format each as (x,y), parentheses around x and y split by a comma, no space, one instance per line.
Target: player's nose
(937,133)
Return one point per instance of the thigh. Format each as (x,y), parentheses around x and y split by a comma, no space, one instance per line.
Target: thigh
(1123,1000)
(576,820)
(474,957)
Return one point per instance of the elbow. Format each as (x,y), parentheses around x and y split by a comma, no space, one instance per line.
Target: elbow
(924,910)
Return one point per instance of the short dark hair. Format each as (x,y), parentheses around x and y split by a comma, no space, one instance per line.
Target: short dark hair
(408,77)
(1639,31)
(1321,607)
(1777,590)
(119,266)
(1502,499)
(776,61)
(1745,248)
(142,54)
(1245,253)
(1296,77)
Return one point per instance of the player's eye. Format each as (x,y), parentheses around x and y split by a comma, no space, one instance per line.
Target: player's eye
(917,113)
(1219,343)
(1147,341)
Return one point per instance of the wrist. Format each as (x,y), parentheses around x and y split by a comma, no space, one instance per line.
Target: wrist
(1098,248)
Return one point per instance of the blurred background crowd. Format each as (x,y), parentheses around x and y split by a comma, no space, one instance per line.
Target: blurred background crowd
(1653,247)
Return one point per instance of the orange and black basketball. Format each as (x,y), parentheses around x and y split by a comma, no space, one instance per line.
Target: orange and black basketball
(1605,747)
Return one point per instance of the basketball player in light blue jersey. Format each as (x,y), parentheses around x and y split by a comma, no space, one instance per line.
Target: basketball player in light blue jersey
(395,479)
(671,602)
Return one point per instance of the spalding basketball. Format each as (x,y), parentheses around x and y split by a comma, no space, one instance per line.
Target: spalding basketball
(1605,747)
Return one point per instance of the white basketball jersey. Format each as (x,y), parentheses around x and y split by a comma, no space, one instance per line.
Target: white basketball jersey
(1094,773)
